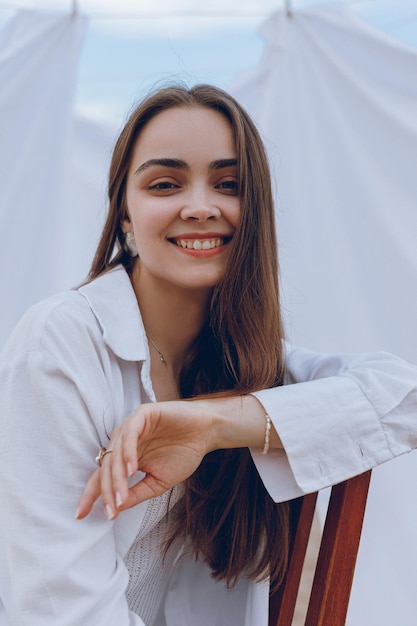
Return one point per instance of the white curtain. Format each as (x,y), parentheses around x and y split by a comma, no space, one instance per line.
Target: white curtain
(84,204)
(38,57)
(337,104)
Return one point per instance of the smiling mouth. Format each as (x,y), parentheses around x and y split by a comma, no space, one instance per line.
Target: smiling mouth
(202,244)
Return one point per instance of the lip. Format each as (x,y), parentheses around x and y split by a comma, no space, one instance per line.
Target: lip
(217,242)
(202,235)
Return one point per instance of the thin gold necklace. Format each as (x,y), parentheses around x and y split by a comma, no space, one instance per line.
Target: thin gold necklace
(161,356)
(165,362)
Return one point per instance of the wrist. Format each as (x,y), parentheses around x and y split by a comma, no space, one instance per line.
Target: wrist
(238,422)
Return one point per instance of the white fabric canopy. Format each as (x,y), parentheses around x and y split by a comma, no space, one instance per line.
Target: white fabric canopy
(84,204)
(38,57)
(337,103)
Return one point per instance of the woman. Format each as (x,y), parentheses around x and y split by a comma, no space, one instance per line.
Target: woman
(182,301)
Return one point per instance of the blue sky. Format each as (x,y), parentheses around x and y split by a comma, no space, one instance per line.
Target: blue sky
(130,44)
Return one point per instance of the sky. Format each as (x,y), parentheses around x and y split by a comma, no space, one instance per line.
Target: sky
(131,45)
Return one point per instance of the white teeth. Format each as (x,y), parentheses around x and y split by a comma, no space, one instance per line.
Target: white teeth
(198,244)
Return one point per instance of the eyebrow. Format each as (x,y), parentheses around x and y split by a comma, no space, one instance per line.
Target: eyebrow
(179,164)
(176,164)
(221,164)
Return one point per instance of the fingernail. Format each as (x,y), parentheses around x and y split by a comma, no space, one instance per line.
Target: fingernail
(119,500)
(109,512)
(77,513)
(129,469)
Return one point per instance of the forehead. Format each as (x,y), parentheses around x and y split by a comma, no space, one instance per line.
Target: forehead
(194,131)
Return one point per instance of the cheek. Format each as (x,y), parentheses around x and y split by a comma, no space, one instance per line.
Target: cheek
(149,229)
(236,214)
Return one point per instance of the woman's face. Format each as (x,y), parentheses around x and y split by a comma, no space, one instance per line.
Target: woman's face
(182,197)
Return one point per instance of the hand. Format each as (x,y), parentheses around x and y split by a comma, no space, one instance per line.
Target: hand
(166,441)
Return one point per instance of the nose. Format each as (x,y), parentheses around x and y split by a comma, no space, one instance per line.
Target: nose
(200,207)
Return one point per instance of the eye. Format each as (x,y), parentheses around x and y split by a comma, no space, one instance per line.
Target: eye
(229,186)
(163,185)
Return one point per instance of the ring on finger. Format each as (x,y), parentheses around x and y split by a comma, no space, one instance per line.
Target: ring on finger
(102,453)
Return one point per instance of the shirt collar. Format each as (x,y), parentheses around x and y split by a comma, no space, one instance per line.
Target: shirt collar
(113,301)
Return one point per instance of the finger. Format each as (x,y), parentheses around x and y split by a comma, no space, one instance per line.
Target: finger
(90,494)
(144,490)
(109,494)
(114,479)
(118,475)
(133,430)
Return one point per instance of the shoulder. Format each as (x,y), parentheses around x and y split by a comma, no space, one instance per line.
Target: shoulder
(100,316)
(57,324)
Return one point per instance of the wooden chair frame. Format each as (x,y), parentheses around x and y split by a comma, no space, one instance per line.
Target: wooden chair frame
(335,567)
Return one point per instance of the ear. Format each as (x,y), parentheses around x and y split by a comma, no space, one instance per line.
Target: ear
(126,225)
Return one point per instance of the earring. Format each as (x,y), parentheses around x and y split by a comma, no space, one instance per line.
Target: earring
(130,244)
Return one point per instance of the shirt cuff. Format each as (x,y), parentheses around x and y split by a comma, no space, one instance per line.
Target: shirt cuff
(329,431)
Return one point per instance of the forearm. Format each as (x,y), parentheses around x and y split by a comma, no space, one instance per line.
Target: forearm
(60,584)
(237,422)
(167,441)
(344,415)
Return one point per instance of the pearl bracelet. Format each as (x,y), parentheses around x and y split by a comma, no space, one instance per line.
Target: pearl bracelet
(267,432)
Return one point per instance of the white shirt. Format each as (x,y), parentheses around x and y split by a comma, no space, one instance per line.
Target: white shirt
(76,366)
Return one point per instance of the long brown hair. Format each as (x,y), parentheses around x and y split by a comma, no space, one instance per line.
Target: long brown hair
(228,516)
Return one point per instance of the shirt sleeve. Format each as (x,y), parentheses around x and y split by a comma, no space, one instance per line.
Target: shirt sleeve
(55,570)
(337,416)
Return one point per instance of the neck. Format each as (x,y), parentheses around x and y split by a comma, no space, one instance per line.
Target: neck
(172,317)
